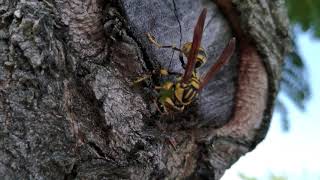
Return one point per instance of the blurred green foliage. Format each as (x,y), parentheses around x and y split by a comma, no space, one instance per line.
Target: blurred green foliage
(271,177)
(274,177)
(306,13)
(294,81)
(295,84)
(245,177)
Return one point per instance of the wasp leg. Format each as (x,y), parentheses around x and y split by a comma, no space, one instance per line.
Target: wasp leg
(173,142)
(162,72)
(165,111)
(144,77)
(165,72)
(153,41)
(162,112)
(157,87)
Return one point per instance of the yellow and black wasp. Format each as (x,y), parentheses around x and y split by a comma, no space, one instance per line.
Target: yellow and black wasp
(175,95)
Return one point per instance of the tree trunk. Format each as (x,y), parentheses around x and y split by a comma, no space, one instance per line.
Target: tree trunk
(69,109)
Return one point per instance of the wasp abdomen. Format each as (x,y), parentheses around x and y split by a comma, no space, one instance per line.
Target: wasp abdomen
(186,93)
(189,94)
(201,57)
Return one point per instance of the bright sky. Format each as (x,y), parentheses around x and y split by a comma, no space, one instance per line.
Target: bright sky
(295,154)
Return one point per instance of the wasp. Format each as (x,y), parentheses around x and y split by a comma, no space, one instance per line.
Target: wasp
(176,95)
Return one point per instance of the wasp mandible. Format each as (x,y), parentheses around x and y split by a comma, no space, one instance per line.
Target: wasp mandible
(175,95)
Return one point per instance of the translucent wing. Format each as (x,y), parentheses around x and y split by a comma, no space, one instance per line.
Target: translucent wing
(196,42)
(222,60)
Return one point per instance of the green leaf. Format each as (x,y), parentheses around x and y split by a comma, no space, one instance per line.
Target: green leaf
(306,13)
(294,82)
(282,109)
(244,177)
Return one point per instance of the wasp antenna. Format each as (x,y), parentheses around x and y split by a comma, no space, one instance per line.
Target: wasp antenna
(222,60)
(196,42)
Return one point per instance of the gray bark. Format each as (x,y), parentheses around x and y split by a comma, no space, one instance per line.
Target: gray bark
(68,109)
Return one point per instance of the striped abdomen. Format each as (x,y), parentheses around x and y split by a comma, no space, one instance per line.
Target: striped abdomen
(185,93)
(201,56)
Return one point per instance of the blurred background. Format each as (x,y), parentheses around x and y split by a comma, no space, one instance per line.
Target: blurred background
(291,148)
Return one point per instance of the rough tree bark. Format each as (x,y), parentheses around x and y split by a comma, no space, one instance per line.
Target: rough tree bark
(68,108)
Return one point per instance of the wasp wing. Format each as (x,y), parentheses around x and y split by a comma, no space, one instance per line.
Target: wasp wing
(196,42)
(222,60)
